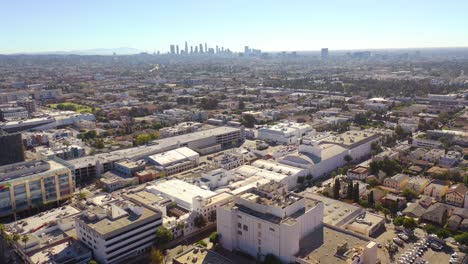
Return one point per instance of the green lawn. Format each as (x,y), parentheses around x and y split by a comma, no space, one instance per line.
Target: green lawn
(73,107)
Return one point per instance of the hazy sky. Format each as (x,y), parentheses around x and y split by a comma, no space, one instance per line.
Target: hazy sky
(151,25)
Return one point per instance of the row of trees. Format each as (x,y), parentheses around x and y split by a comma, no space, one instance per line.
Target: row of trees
(143,139)
(390,167)
(10,239)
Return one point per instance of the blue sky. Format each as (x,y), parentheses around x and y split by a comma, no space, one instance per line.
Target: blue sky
(152,25)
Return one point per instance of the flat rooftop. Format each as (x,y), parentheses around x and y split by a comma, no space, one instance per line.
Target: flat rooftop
(145,198)
(335,213)
(199,255)
(18,171)
(155,146)
(179,189)
(61,253)
(124,218)
(173,156)
(367,222)
(34,223)
(351,138)
(314,252)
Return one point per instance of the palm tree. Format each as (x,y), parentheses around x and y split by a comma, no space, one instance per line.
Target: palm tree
(25,239)
(15,237)
(2,234)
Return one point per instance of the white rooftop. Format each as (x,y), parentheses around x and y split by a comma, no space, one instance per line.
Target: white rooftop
(173,156)
(178,189)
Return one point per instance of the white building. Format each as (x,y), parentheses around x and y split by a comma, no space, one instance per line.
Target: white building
(270,173)
(450,159)
(265,221)
(118,230)
(378,104)
(229,161)
(216,178)
(284,133)
(176,161)
(181,192)
(13,113)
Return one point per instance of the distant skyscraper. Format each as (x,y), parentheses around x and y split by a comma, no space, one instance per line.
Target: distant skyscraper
(217,49)
(246,50)
(324,54)
(177,50)
(196,49)
(172,48)
(191,49)
(201,48)
(11,148)
(186,47)
(206,47)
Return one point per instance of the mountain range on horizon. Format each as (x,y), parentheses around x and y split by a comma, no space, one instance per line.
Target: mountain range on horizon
(99,51)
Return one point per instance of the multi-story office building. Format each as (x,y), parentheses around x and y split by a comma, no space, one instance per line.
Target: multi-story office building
(267,221)
(29,104)
(35,94)
(33,183)
(203,142)
(13,113)
(118,230)
(172,48)
(11,150)
(324,54)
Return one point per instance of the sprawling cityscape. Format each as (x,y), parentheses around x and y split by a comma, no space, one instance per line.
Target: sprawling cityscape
(213,152)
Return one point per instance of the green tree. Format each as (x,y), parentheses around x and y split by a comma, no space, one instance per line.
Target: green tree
(410,223)
(199,221)
(462,238)
(372,182)
(202,243)
(336,189)
(394,206)
(443,233)
(409,194)
(430,229)
(99,143)
(370,199)
(349,191)
(356,192)
(15,237)
(248,120)
(142,139)
(348,158)
(214,237)
(400,132)
(398,221)
(156,256)
(271,259)
(163,236)
(25,239)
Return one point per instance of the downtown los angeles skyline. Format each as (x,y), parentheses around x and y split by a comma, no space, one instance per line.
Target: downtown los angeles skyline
(48,26)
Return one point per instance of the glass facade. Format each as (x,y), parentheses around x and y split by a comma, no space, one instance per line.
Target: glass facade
(50,191)
(35,192)
(21,199)
(5,200)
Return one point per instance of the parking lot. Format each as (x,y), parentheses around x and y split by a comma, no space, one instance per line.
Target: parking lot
(429,255)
